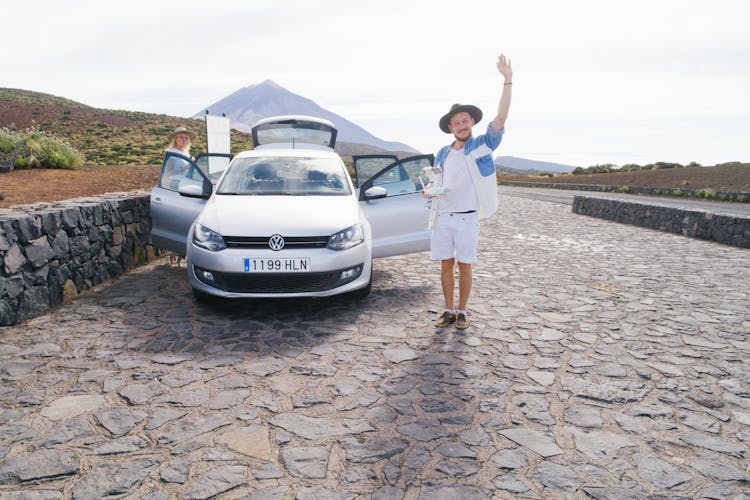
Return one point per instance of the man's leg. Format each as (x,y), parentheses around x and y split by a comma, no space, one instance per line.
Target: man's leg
(466,255)
(448,281)
(464,285)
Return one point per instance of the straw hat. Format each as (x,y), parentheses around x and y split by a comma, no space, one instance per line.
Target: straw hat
(181,130)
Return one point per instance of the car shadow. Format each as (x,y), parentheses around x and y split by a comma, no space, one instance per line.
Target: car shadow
(155,306)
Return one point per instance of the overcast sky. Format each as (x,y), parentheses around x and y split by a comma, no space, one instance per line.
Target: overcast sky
(595,81)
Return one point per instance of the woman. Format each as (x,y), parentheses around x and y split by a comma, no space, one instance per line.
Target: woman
(175,167)
(179,142)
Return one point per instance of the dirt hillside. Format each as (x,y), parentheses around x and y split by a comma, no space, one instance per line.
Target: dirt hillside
(721,178)
(21,187)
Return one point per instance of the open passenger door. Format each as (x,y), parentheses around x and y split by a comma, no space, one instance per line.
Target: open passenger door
(395,207)
(184,186)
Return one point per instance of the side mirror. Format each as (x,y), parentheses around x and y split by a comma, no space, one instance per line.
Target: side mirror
(376,193)
(192,191)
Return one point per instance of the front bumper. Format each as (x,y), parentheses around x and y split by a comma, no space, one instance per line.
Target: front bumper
(332,273)
(277,283)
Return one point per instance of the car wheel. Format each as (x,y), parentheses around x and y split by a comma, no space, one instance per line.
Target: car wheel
(362,293)
(203,297)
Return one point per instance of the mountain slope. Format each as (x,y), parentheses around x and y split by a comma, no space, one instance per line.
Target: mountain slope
(104,136)
(250,104)
(31,97)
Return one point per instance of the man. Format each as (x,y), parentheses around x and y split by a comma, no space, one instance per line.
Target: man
(469,192)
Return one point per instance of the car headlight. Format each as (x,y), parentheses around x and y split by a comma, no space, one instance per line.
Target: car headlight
(348,238)
(210,240)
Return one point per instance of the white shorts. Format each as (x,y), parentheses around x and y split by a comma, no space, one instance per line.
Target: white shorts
(455,235)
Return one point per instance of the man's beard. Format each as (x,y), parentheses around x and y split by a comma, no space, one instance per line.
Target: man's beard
(464,139)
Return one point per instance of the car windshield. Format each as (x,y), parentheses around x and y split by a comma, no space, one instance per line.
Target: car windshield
(285,176)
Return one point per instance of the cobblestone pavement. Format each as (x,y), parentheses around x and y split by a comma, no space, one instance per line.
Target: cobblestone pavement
(603,361)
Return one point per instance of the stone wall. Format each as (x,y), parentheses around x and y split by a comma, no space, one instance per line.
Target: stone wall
(50,252)
(727,229)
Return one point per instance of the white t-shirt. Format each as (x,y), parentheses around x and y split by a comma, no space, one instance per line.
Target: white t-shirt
(461,196)
(178,151)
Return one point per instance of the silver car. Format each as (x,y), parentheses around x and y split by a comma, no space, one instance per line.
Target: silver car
(286,219)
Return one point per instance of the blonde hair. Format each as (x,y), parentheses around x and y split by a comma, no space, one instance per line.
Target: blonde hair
(172,146)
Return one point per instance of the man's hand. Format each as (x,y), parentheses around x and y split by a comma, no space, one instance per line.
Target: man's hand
(503,66)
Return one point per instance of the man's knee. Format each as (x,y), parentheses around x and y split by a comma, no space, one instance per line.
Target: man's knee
(447,264)
(464,267)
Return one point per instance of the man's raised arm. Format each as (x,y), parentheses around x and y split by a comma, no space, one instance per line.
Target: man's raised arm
(503,66)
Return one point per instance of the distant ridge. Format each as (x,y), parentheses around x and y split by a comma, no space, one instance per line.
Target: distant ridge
(522,164)
(250,104)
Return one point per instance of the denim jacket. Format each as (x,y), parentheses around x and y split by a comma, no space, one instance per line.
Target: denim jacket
(478,151)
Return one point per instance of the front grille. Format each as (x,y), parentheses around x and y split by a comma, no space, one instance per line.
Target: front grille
(277,282)
(290,242)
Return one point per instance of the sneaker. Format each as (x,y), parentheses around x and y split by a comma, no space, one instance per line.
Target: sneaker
(445,319)
(461,322)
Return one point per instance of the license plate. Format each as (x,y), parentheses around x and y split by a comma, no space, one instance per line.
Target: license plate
(268,265)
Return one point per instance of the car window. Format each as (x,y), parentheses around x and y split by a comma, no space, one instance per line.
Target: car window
(365,166)
(403,177)
(275,175)
(178,171)
(213,164)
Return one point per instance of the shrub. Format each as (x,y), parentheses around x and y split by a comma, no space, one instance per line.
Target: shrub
(664,164)
(677,192)
(21,162)
(60,156)
(623,189)
(630,167)
(604,168)
(36,149)
(743,198)
(705,193)
(7,142)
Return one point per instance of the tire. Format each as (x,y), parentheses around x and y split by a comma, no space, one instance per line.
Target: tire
(364,292)
(203,297)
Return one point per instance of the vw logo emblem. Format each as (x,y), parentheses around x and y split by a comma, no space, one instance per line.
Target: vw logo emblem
(276,242)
